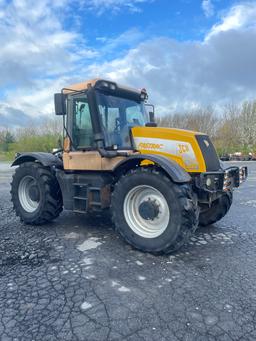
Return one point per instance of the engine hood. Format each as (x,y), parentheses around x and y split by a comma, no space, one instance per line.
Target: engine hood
(191,150)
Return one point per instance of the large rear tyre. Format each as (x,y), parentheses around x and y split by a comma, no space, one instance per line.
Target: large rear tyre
(152,213)
(217,211)
(36,194)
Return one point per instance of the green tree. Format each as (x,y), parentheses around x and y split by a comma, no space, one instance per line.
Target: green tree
(6,139)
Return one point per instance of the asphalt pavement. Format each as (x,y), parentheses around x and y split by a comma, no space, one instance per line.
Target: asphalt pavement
(76,279)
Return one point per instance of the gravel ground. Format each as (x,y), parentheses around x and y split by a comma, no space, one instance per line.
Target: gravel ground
(75,279)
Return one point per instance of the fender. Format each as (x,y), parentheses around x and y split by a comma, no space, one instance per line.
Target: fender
(173,170)
(46,159)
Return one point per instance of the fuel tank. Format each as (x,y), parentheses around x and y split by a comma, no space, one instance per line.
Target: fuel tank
(192,150)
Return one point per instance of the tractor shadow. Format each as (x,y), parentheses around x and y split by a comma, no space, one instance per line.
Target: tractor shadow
(96,224)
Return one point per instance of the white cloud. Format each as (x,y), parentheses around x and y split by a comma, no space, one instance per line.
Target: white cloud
(179,75)
(36,55)
(208,8)
(115,5)
(239,17)
(33,43)
(126,40)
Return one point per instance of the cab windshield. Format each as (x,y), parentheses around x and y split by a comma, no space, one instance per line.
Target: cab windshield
(118,115)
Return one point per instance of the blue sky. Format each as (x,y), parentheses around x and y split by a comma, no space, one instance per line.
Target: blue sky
(182,20)
(186,53)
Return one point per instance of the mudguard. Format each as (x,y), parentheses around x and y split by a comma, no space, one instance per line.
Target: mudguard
(173,170)
(46,159)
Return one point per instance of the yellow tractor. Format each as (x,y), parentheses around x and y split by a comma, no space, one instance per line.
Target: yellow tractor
(159,183)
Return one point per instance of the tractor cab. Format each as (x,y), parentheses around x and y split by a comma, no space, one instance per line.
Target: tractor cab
(100,114)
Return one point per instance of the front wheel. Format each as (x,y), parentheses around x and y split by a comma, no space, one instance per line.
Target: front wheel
(217,211)
(151,212)
(36,194)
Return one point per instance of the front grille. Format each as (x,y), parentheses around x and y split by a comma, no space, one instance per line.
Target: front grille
(210,156)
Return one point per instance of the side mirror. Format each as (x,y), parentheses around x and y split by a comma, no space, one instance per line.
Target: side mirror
(151,114)
(60,104)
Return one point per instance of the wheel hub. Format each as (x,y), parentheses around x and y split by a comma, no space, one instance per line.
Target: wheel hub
(149,210)
(146,211)
(29,194)
(34,193)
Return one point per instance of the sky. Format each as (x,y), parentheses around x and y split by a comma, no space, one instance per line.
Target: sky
(186,53)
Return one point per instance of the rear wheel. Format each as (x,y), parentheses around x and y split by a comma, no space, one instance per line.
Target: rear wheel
(151,212)
(36,194)
(217,211)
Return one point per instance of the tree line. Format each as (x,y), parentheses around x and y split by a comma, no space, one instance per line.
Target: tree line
(232,130)
(36,137)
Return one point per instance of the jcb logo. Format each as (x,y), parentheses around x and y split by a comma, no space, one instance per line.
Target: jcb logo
(143,145)
(183,148)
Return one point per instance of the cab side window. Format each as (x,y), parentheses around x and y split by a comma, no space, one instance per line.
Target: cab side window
(82,124)
(135,116)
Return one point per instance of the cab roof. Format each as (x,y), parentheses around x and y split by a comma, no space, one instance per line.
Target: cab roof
(93,82)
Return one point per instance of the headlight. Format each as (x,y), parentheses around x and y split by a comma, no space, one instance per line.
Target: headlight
(208,182)
(143,95)
(112,86)
(211,182)
(104,84)
(107,85)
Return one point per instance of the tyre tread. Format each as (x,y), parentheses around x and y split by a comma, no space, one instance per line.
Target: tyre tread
(216,213)
(53,200)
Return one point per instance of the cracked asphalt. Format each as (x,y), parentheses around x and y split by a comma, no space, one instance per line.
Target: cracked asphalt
(75,279)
